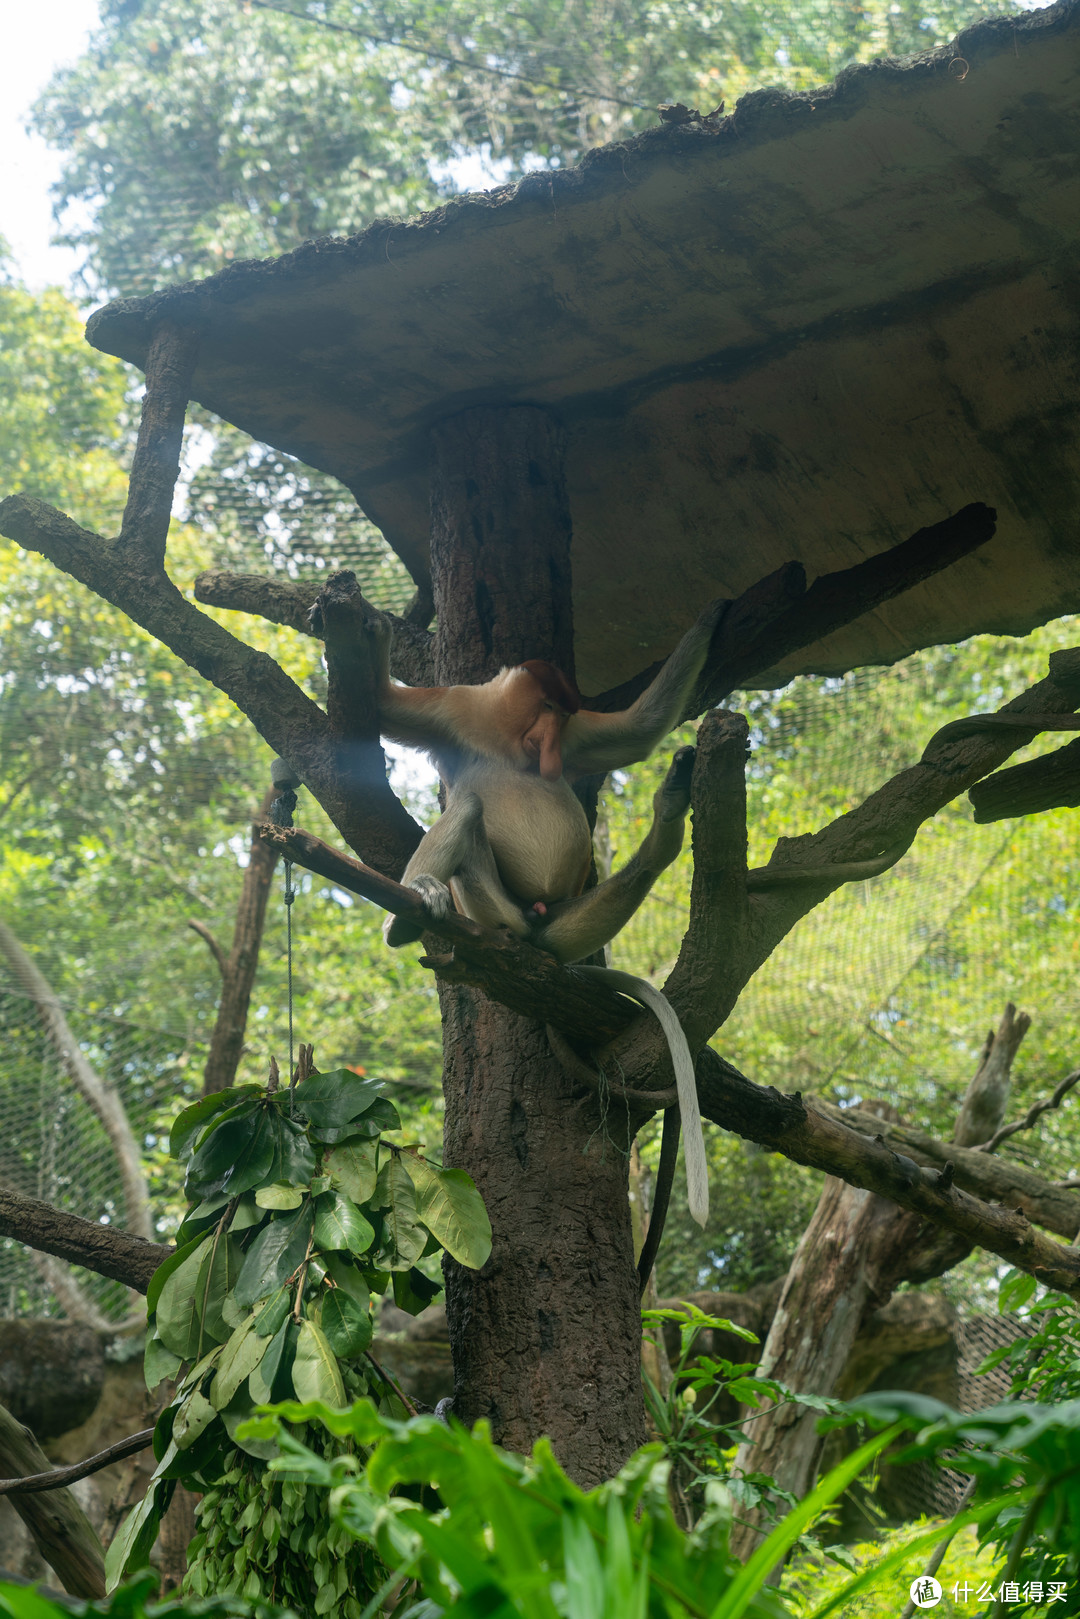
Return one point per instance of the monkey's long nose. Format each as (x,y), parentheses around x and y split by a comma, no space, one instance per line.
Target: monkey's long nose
(548,733)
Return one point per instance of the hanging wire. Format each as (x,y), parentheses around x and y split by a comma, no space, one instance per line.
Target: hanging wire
(421,48)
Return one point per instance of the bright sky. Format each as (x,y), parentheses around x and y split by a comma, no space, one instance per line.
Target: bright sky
(38,38)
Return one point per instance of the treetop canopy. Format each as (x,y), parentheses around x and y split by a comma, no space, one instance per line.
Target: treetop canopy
(804,329)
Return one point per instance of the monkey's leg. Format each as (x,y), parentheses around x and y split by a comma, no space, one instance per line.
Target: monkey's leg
(574,928)
(454,862)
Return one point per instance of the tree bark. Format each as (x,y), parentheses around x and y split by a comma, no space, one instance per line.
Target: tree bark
(61,1530)
(527,1352)
(239,966)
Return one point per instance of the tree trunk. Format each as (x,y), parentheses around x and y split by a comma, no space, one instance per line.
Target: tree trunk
(828,1289)
(546,1337)
(61,1530)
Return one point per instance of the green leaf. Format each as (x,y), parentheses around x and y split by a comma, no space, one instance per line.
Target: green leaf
(195,1414)
(1015,1291)
(346,1324)
(279,1196)
(335,1098)
(247,1214)
(240,1413)
(452,1209)
(130,1548)
(265,1374)
(235,1155)
(166,1269)
(276,1254)
(404,1236)
(201,1218)
(294,1156)
(243,1352)
(340,1224)
(413,1291)
(316,1374)
(187,1125)
(179,1306)
(269,1318)
(352,1167)
(218,1285)
(383,1115)
(344,1274)
(158,1362)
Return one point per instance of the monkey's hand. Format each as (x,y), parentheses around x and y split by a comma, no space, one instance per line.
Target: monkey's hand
(673,799)
(399,930)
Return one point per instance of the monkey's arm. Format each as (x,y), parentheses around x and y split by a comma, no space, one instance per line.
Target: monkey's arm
(595,743)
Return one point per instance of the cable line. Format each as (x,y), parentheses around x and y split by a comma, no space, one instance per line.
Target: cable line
(443,56)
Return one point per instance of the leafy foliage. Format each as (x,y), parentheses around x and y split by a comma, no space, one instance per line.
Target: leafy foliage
(1025,1459)
(514,1536)
(268,1297)
(134,1600)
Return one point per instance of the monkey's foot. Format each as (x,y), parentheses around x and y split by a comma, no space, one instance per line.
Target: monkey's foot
(399,930)
(673,799)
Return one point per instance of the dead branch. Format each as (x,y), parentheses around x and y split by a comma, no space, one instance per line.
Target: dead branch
(58,1477)
(808,1135)
(238,968)
(998,1180)
(987,1096)
(101,1248)
(1033,1113)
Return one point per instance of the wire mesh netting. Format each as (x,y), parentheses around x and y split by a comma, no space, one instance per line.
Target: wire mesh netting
(55,1148)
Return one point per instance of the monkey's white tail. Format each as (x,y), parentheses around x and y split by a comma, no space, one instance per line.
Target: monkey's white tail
(640,990)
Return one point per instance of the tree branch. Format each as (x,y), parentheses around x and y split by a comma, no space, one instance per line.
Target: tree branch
(813,1136)
(987,1096)
(778,615)
(715,942)
(1035,1112)
(155,466)
(289,602)
(61,1530)
(212,945)
(293,725)
(1052,782)
(101,1248)
(998,1180)
(56,1478)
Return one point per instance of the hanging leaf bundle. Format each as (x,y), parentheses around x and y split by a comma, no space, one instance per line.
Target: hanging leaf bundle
(299,1213)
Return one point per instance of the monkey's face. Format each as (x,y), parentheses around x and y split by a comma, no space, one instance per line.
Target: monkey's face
(543,738)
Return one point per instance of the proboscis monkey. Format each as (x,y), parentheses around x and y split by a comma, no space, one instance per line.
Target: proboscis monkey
(512,848)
